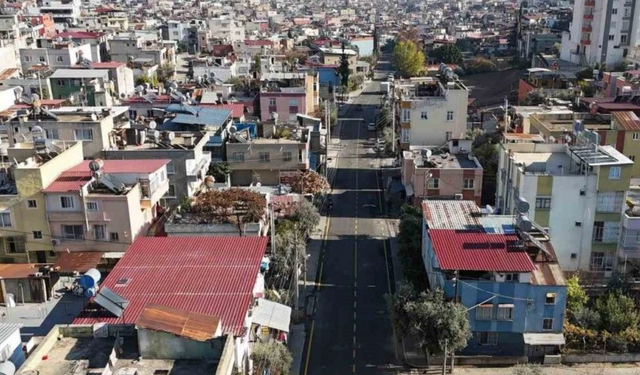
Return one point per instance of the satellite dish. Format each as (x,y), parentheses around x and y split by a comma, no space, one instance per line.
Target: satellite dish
(258,184)
(96,165)
(212,74)
(37,129)
(522,206)
(152,125)
(35,97)
(552,139)
(19,91)
(429,153)
(578,126)
(274,115)
(94,117)
(171,136)
(567,138)
(123,95)
(233,129)
(139,89)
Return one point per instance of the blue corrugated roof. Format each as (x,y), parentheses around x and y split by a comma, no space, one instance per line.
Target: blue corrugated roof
(202,116)
(214,140)
(253,128)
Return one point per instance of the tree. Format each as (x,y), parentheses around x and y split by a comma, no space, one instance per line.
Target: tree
(533,98)
(309,182)
(576,296)
(343,68)
(289,244)
(448,54)
(306,216)
(145,78)
(271,358)
(408,59)
(256,67)
(384,118)
(617,312)
(219,171)
(410,246)
(389,45)
(479,65)
(435,323)
(588,89)
(237,82)
(227,206)
(165,73)
(355,81)
(486,151)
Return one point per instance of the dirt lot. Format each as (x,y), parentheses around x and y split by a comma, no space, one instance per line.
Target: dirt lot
(490,88)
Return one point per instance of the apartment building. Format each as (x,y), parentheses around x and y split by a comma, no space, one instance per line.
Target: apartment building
(61,54)
(123,47)
(506,276)
(431,112)
(226,28)
(601,32)
(86,87)
(267,156)
(456,174)
(24,231)
(546,82)
(187,151)
(288,94)
(104,205)
(333,56)
(90,125)
(97,40)
(63,11)
(112,18)
(579,191)
(620,129)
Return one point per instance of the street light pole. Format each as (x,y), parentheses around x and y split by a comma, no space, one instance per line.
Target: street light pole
(393,119)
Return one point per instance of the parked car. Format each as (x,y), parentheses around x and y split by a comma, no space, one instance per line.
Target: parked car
(371,127)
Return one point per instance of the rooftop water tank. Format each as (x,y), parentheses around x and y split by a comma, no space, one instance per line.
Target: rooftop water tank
(89,281)
(7,368)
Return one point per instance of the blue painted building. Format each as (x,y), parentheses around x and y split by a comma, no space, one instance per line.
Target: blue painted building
(508,279)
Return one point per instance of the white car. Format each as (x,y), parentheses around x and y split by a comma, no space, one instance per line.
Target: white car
(371,127)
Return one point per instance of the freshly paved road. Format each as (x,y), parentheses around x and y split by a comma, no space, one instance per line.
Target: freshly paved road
(351,332)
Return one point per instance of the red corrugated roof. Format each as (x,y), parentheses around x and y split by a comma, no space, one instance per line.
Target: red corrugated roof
(80,34)
(205,275)
(478,251)
(74,178)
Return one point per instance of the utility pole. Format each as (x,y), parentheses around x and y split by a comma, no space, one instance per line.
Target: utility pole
(393,119)
(453,352)
(295,270)
(444,362)
(327,117)
(273,230)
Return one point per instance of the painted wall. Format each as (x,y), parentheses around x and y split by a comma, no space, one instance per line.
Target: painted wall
(163,345)
(282,106)
(432,131)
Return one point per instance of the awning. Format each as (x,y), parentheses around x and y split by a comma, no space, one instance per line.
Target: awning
(543,338)
(272,314)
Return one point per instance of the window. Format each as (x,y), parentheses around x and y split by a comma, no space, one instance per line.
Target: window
(287,156)
(27,58)
(610,201)
(100,232)
(5,219)
(405,135)
(606,231)
(547,324)
(613,25)
(60,82)
(114,236)
(32,203)
(550,299)
(92,206)
(16,245)
(171,193)
(512,277)
(406,115)
(73,232)
(636,136)
(237,157)
(67,202)
(600,261)
(84,134)
(272,102)
(37,234)
(52,134)
(623,38)
(483,312)
(611,37)
(543,203)
(487,338)
(449,115)
(293,106)
(433,183)
(423,115)
(614,173)
(614,11)
(42,58)
(448,136)
(505,312)
(468,183)
(264,157)
(171,169)
(59,59)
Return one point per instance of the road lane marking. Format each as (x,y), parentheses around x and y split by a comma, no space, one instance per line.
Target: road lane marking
(306,364)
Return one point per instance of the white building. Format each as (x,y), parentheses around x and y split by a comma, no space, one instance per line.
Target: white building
(602,31)
(225,27)
(575,193)
(431,113)
(64,54)
(63,12)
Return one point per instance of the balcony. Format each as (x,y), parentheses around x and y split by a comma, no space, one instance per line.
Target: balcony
(77,216)
(590,3)
(587,29)
(585,42)
(587,16)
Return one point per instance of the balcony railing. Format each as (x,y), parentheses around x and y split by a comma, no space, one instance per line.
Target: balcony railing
(590,3)
(587,16)
(585,42)
(587,29)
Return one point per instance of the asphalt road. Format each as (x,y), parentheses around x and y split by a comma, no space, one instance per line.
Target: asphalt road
(351,332)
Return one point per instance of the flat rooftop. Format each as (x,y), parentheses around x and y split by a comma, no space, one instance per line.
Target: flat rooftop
(546,163)
(444,161)
(559,122)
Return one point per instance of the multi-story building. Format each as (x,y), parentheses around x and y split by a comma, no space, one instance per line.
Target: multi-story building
(601,32)
(24,230)
(431,112)
(64,12)
(97,40)
(188,163)
(90,125)
(86,87)
(579,192)
(456,174)
(506,276)
(112,18)
(61,54)
(300,96)
(123,47)
(270,159)
(227,29)
(333,56)
(104,205)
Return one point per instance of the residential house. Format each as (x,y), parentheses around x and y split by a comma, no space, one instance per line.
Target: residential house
(91,125)
(431,112)
(86,87)
(577,190)
(104,205)
(121,76)
(150,273)
(456,174)
(288,94)
(27,237)
(64,12)
(333,56)
(549,83)
(112,18)
(505,275)
(62,54)
(97,40)
(188,163)
(123,47)
(11,339)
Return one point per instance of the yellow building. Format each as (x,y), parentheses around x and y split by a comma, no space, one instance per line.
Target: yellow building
(332,56)
(24,229)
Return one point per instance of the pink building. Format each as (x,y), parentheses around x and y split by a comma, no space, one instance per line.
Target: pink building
(287,104)
(104,205)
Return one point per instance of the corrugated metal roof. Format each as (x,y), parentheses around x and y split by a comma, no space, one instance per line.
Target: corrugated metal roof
(80,261)
(627,120)
(478,251)
(205,275)
(19,270)
(451,214)
(272,314)
(79,73)
(8,329)
(183,323)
